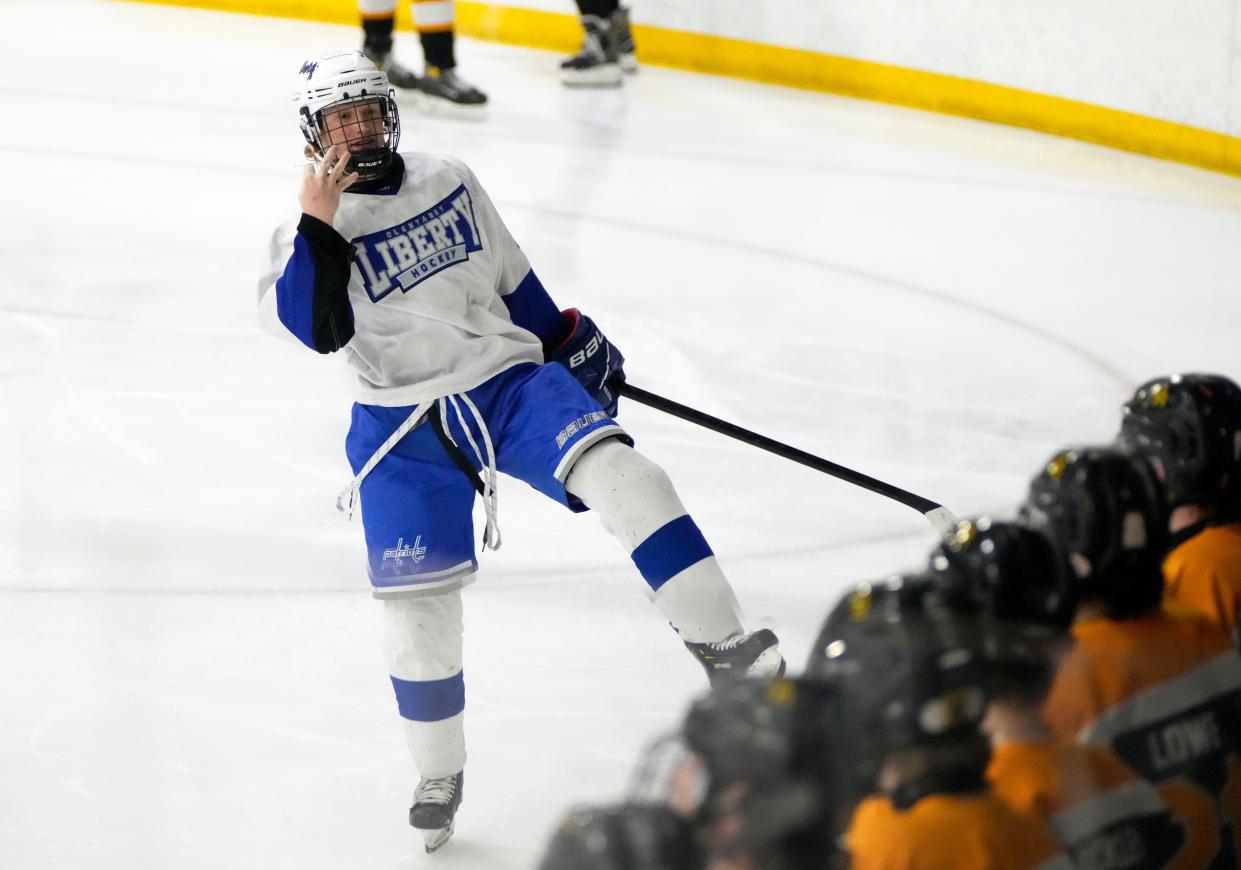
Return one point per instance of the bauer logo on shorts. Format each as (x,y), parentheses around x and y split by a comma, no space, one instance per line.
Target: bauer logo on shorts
(407,254)
(578,425)
(402,551)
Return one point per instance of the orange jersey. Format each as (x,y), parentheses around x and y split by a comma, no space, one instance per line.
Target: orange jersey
(949,832)
(1204,573)
(1101,811)
(1163,691)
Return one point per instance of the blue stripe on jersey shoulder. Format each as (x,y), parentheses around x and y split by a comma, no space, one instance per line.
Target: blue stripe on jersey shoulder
(669,550)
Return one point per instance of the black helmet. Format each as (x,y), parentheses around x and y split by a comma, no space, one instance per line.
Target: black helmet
(1104,510)
(1005,571)
(911,673)
(743,730)
(1012,578)
(1190,426)
(913,677)
(622,837)
(867,603)
(778,741)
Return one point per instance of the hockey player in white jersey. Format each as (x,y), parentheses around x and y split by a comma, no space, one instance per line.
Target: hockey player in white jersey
(464,367)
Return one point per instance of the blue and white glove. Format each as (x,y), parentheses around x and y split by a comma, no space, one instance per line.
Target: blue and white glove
(592,360)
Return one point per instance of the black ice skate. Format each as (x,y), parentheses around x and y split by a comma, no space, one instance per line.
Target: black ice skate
(597,65)
(435,808)
(398,75)
(442,91)
(742,655)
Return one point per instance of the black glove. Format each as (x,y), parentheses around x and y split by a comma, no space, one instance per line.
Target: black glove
(592,360)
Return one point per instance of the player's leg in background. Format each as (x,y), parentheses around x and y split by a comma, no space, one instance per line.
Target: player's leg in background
(623,36)
(607,46)
(436,23)
(637,503)
(378,21)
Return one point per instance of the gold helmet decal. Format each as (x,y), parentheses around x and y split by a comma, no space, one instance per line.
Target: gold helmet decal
(860,603)
(1159,395)
(1055,468)
(781,692)
(964,536)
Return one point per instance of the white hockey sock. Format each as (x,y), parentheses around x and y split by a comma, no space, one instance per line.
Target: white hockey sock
(639,506)
(423,646)
(373,8)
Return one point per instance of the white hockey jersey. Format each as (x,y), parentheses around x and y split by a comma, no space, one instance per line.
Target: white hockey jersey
(431,263)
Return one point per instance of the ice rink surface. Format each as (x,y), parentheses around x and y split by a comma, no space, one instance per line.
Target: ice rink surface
(190,660)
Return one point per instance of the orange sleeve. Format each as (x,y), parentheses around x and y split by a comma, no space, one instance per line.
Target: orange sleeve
(976,832)
(1071,704)
(1021,777)
(866,835)
(1204,573)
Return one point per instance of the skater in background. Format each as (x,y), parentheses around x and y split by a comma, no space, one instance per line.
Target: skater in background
(464,367)
(916,679)
(1159,686)
(1011,580)
(440,82)
(607,51)
(1189,427)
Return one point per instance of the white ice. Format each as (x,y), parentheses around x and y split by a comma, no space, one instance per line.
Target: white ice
(191,664)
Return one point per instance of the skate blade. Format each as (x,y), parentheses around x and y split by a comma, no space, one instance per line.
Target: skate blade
(602,76)
(436,838)
(768,666)
(436,107)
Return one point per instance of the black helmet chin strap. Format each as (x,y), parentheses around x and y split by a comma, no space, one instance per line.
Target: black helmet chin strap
(391,176)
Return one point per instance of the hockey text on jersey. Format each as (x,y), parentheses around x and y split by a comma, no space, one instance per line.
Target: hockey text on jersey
(412,251)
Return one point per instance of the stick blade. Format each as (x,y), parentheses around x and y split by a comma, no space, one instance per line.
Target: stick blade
(944,521)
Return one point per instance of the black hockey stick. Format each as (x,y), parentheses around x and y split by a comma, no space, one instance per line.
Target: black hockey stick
(938,515)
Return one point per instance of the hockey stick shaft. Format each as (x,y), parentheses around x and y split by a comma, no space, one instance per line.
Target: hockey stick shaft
(938,515)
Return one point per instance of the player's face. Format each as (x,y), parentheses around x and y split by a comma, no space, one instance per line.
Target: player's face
(356,126)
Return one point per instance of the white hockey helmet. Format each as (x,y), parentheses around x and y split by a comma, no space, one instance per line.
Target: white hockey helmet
(328,84)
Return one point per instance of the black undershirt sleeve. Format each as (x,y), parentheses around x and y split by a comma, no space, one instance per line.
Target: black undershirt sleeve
(332,316)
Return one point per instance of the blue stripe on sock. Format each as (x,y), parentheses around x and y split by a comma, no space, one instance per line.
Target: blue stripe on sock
(430,700)
(669,550)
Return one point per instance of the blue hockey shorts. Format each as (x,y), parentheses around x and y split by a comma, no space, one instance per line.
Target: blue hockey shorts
(417,504)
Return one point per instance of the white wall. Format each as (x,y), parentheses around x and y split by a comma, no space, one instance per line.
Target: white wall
(1178,60)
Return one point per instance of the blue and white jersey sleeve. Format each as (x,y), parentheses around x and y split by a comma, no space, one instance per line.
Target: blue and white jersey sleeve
(304,292)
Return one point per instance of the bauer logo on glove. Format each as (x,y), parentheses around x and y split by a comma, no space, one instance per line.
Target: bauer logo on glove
(591,348)
(593,361)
